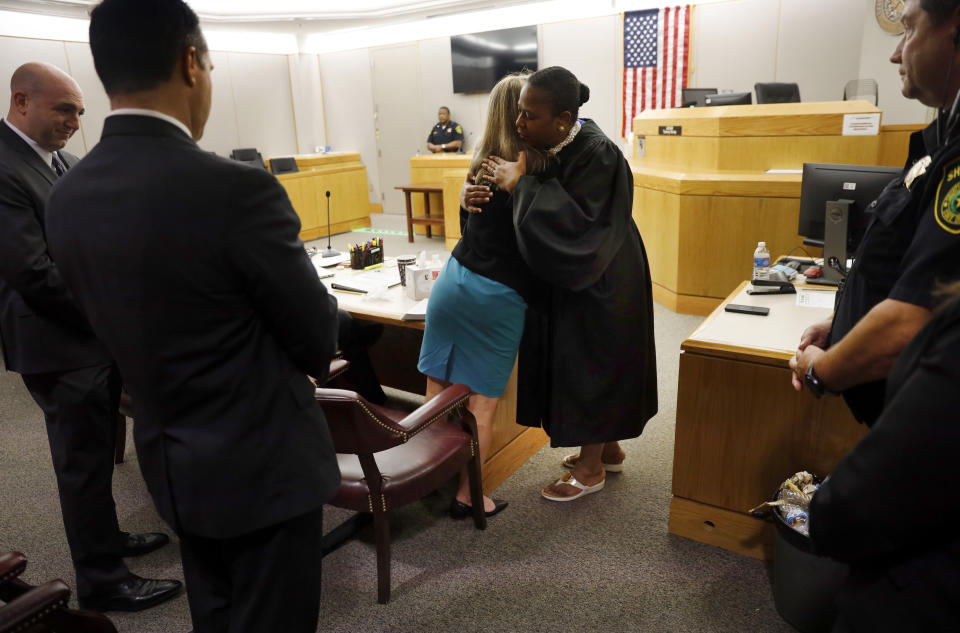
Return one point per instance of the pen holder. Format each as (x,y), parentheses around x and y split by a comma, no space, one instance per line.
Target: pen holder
(365,258)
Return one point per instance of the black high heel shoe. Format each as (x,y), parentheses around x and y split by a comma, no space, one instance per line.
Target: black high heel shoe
(460,510)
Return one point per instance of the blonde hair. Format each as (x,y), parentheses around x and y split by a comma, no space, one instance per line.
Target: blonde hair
(500,133)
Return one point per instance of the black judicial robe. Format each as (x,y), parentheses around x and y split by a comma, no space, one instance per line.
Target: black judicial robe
(587,369)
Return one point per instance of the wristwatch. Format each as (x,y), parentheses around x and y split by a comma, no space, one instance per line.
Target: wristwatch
(815,385)
(443,146)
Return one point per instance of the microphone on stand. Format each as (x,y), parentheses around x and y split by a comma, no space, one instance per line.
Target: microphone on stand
(329,252)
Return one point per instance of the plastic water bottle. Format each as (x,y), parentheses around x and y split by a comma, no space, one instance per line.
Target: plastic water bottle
(761,261)
(796,518)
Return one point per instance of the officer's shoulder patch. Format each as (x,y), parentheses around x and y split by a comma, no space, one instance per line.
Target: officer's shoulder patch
(459,130)
(947,203)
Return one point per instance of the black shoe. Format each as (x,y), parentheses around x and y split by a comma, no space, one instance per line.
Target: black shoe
(460,510)
(133,593)
(140,544)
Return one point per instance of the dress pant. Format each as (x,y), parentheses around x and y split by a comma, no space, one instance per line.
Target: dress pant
(262,582)
(80,408)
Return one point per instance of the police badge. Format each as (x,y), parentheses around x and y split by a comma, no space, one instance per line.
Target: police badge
(947,203)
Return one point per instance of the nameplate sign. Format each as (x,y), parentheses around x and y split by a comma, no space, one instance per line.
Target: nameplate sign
(861,124)
(671,130)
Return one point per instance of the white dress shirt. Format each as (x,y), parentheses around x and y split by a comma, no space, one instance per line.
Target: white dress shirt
(154,114)
(45,156)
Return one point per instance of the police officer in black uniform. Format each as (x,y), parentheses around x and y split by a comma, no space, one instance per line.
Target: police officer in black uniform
(883,509)
(913,241)
(446,135)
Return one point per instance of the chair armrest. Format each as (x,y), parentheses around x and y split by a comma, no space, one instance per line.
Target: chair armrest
(338,367)
(12,565)
(33,606)
(446,401)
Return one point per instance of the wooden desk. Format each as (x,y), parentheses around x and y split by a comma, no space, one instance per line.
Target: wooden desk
(702,200)
(395,358)
(426,218)
(741,428)
(344,175)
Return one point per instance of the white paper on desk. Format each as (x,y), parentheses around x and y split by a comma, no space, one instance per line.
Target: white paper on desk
(329,261)
(784,171)
(816,298)
(867,124)
(417,312)
(322,272)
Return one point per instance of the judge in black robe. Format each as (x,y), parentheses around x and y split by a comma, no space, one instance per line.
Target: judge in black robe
(587,360)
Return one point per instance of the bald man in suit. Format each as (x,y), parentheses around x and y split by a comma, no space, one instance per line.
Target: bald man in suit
(48,341)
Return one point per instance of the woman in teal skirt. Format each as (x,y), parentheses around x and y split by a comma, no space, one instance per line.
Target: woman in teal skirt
(477,305)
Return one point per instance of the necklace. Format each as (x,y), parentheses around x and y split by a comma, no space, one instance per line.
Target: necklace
(573,132)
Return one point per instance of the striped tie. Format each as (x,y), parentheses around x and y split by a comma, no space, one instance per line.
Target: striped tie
(58,165)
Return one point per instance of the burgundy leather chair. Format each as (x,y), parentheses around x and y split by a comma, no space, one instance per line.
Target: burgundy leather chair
(43,608)
(390,458)
(338,367)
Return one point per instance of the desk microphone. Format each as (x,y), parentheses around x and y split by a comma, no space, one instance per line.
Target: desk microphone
(329,252)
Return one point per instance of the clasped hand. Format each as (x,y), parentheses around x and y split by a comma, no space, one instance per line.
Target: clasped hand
(498,171)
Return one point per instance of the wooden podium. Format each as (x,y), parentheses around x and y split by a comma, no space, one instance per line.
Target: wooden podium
(344,175)
(702,199)
(431,169)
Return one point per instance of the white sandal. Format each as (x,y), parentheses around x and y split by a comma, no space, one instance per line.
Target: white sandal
(568,478)
(570,461)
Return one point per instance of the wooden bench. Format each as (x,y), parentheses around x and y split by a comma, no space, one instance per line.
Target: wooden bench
(426,218)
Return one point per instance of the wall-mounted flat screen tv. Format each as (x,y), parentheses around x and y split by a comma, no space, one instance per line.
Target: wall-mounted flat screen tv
(480,60)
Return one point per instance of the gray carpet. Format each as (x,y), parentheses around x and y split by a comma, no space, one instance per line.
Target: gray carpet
(603,563)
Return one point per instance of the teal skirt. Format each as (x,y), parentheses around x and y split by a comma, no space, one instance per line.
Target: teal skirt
(473,330)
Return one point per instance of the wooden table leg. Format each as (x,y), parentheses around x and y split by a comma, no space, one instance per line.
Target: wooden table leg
(426,209)
(409,217)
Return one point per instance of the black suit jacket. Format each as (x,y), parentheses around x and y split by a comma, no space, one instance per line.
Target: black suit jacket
(41,328)
(191,271)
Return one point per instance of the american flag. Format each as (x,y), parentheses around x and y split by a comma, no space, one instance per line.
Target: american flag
(656,56)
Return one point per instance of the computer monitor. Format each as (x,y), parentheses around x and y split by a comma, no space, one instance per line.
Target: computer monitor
(729,98)
(696,96)
(833,209)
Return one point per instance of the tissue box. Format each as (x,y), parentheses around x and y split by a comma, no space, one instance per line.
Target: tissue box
(420,280)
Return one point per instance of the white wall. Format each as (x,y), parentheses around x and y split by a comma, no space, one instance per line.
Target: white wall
(877,46)
(348,104)
(591,50)
(252,96)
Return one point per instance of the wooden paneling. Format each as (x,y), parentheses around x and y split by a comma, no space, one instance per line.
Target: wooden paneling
(822,118)
(453,180)
(702,200)
(733,531)
(344,176)
(895,144)
(430,168)
(741,429)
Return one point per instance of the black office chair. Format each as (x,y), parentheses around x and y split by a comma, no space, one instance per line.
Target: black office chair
(728,98)
(861,89)
(285,165)
(250,156)
(774,92)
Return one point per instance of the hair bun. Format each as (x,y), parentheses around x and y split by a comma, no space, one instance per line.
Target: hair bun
(584,94)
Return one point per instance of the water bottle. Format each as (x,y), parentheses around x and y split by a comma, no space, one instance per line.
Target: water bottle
(796,518)
(761,261)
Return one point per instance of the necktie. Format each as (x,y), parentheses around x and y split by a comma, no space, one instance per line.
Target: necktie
(58,165)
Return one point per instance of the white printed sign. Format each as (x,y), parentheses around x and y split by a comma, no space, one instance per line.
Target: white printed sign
(861,124)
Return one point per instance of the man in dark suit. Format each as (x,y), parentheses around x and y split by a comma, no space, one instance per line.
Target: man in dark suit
(46,339)
(191,271)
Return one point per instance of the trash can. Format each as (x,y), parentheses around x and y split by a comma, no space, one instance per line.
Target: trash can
(804,585)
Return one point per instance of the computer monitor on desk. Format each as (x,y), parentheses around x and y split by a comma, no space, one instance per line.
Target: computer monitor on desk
(834,200)
(729,98)
(696,97)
